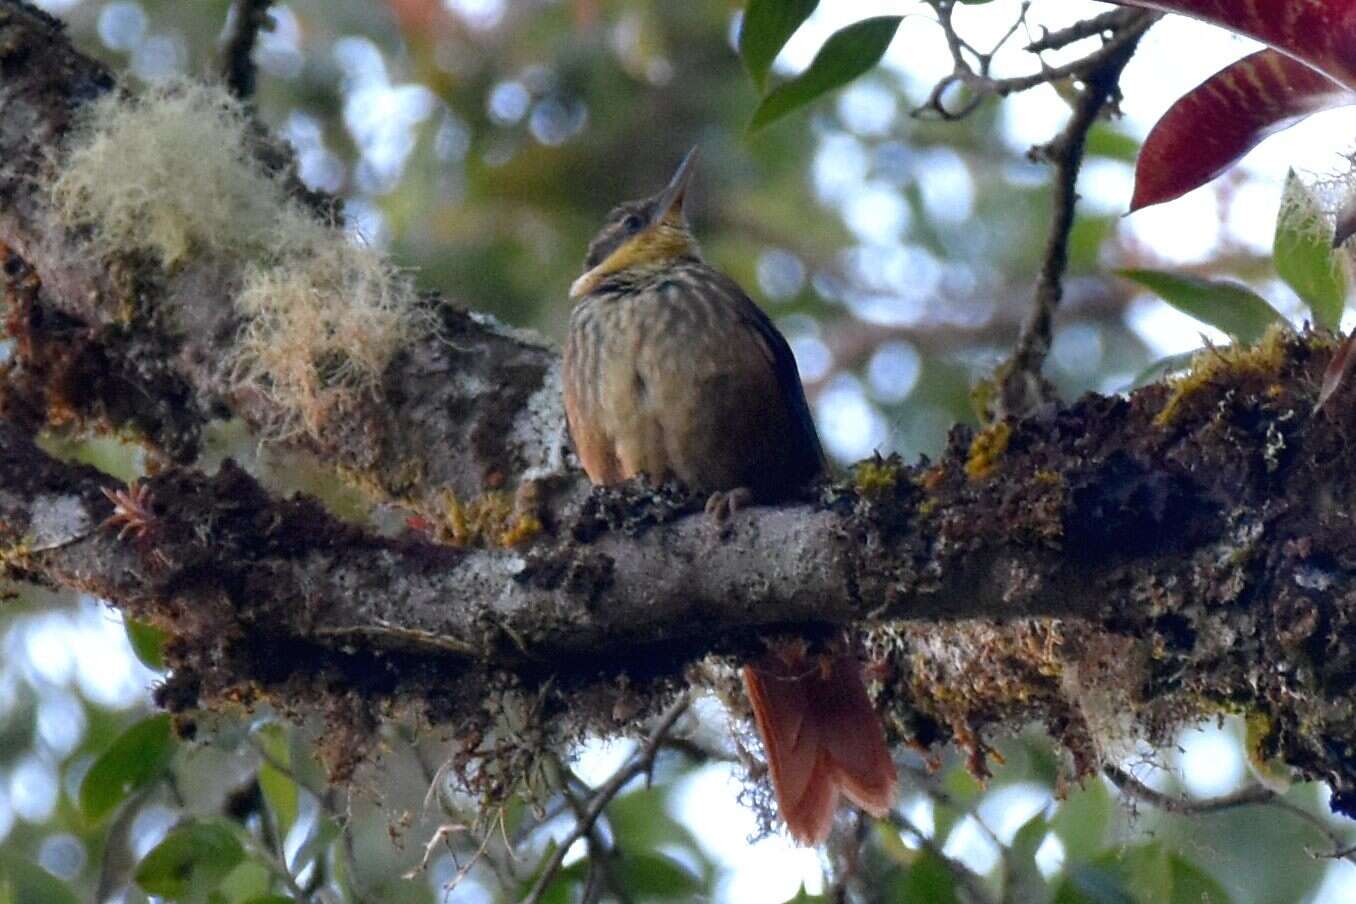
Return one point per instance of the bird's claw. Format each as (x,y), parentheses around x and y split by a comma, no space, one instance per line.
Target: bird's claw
(721,505)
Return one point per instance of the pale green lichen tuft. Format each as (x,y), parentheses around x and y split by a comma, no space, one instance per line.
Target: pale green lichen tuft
(322,319)
(168,173)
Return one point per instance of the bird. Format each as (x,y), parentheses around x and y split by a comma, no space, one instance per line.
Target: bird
(670,371)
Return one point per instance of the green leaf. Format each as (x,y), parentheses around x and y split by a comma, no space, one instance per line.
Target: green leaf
(962,788)
(25,882)
(560,890)
(272,899)
(280,791)
(136,758)
(1193,885)
(847,54)
(1143,870)
(250,880)
(1304,256)
(1105,141)
(322,835)
(1026,883)
(767,26)
(1087,884)
(1232,308)
(651,876)
(1081,821)
(192,858)
(641,821)
(928,879)
(1086,238)
(960,785)
(892,844)
(804,897)
(147,641)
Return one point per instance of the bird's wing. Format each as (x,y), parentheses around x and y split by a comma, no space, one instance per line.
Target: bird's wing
(783,363)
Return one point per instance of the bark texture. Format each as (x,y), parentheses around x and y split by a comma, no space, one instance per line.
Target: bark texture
(1112,567)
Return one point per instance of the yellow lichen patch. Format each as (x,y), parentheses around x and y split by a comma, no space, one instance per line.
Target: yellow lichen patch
(986,449)
(524,527)
(876,477)
(15,556)
(1212,365)
(489,520)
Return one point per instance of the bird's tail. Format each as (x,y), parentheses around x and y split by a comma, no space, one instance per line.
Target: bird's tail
(822,736)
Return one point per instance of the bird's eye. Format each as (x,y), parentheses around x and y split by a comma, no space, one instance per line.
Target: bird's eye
(632,223)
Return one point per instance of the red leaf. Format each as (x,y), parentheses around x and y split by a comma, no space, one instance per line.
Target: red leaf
(1321,33)
(1223,118)
(1336,372)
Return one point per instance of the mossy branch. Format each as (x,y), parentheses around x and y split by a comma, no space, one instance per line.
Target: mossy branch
(1198,562)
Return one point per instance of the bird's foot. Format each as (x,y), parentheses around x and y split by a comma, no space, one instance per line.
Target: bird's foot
(721,505)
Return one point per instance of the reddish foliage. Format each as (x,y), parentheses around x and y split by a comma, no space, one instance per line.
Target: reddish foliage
(1219,121)
(1321,33)
(1223,118)
(1336,372)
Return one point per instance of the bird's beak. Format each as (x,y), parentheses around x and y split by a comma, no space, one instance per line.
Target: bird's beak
(668,207)
(584,284)
(670,203)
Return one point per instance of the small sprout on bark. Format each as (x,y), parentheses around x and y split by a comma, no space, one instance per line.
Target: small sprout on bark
(132,512)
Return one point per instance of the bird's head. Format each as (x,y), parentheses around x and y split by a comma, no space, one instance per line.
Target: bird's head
(641,235)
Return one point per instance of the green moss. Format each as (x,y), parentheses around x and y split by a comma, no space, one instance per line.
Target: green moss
(1263,359)
(877,477)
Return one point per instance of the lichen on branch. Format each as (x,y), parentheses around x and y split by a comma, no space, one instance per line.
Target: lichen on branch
(167,172)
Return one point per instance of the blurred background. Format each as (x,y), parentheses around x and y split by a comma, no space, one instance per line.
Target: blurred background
(480,142)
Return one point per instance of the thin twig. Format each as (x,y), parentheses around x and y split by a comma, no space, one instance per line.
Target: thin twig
(932,788)
(1245,797)
(275,864)
(982,86)
(238,67)
(601,873)
(642,762)
(1256,795)
(1111,21)
(972,884)
(1022,387)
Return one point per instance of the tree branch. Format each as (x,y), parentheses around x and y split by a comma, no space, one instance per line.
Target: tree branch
(1254,795)
(460,411)
(238,69)
(1186,535)
(1022,387)
(641,763)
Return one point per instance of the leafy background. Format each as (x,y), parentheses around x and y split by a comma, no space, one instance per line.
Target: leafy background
(480,142)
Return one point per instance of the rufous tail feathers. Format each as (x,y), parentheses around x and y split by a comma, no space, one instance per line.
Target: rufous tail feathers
(823,738)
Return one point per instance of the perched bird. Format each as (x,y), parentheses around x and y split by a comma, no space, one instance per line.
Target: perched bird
(671,371)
